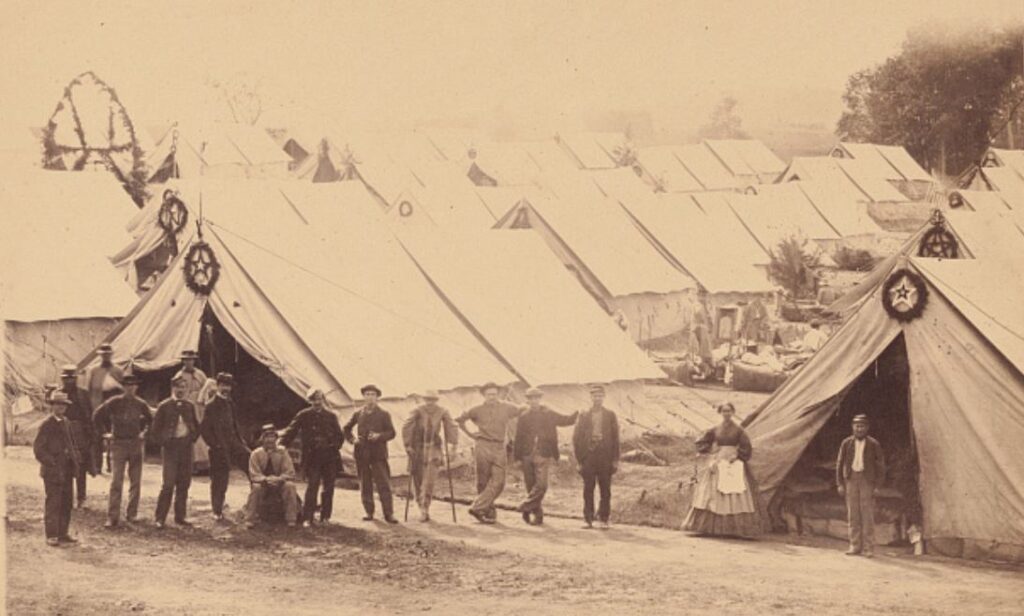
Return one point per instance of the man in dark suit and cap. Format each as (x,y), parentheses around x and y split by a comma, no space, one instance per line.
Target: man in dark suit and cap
(595,442)
(58,461)
(83,434)
(860,470)
(318,428)
(536,446)
(373,429)
(227,449)
(175,429)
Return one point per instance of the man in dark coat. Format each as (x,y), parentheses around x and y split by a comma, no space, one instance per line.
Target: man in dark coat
(536,447)
(321,435)
(373,429)
(220,432)
(83,435)
(860,470)
(175,429)
(58,462)
(124,420)
(595,442)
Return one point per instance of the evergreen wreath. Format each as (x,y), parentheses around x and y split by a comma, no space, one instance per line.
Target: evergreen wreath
(938,242)
(202,270)
(904,295)
(173,214)
(134,180)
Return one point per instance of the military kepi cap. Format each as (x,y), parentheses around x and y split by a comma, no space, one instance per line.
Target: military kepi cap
(860,419)
(533,392)
(105,348)
(225,378)
(130,379)
(68,370)
(268,428)
(59,397)
(178,378)
(596,387)
(189,354)
(368,388)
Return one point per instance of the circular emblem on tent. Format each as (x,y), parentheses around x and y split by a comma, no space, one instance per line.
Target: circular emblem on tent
(938,242)
(201,268)
(405,209)
(904,295)
(955,200)
(173,215)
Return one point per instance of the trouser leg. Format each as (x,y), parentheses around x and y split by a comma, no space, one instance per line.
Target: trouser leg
(135,480)
(535,473)
(169,478)
(426,494)
(219,469)
(854,513)
(328,477)
(589,482)
(253,504)
(483,466)
(867,516)
(184,480)
(118,460)
(494,456)
(291,502)
(80,481)
(604,484)
(365,472)
(314,473)
(382,477)
(67,495)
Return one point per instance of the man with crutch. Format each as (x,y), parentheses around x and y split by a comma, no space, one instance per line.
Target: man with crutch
(428,447)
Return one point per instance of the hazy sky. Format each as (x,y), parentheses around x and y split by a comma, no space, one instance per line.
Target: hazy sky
(526,65)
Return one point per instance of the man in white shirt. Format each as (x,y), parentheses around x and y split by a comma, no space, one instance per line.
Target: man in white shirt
(271,475)
(860,470)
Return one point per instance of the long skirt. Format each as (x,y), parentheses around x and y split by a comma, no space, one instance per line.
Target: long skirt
(724,501)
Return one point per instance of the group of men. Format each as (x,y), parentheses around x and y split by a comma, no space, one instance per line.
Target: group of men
(115,415)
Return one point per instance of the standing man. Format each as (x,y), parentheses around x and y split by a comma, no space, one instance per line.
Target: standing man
(220,431)
(175,429)
(373,430)
(271,475)
(860,469)
(322,437)
(421,435)
(536,446)
(82,433)
(58,462)
(595,442)
(124,420)
(492,419)
(195,379)
(103,382)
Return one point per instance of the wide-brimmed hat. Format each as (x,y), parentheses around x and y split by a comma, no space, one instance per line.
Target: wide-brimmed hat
(59,397)
(312,391)
(368,388)
(225,378)
(487,386)
(430,394)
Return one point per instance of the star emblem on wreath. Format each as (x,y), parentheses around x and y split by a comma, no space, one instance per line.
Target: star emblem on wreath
(904,295)
(173,214)
(201,268)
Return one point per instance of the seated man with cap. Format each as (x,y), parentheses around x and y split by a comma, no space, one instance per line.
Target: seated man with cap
(536,447)
(373,429)
(83,435)
(318,428)
(175,429)
(58,461)
(271,475)
(227,449)
(424,441)
(860,470)
(124,420)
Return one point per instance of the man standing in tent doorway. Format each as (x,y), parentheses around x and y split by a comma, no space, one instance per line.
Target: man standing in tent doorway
(226,447)
(860,469)
(82,433)
(422,437)
(536,446)
(318,428)
(373,430)
(104,382)
(124,420)
(195,379)
(492,419)
(175,429)
(595,442)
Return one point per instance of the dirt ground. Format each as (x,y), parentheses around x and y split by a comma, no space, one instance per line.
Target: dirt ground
(509,568)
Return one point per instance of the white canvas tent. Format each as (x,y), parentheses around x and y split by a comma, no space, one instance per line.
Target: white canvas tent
(215,150)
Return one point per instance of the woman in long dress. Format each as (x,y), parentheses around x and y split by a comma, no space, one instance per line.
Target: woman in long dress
(724,502)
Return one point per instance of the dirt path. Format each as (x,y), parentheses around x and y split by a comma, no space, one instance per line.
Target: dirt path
(453,569)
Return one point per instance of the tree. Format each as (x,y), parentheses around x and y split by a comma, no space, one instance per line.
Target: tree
(944,97)
(242,96)
(792,268)
(724,123)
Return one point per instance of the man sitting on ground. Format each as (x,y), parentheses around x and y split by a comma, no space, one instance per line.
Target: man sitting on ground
(272,475)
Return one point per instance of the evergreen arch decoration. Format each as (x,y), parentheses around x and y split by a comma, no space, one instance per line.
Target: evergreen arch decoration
(115,145)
